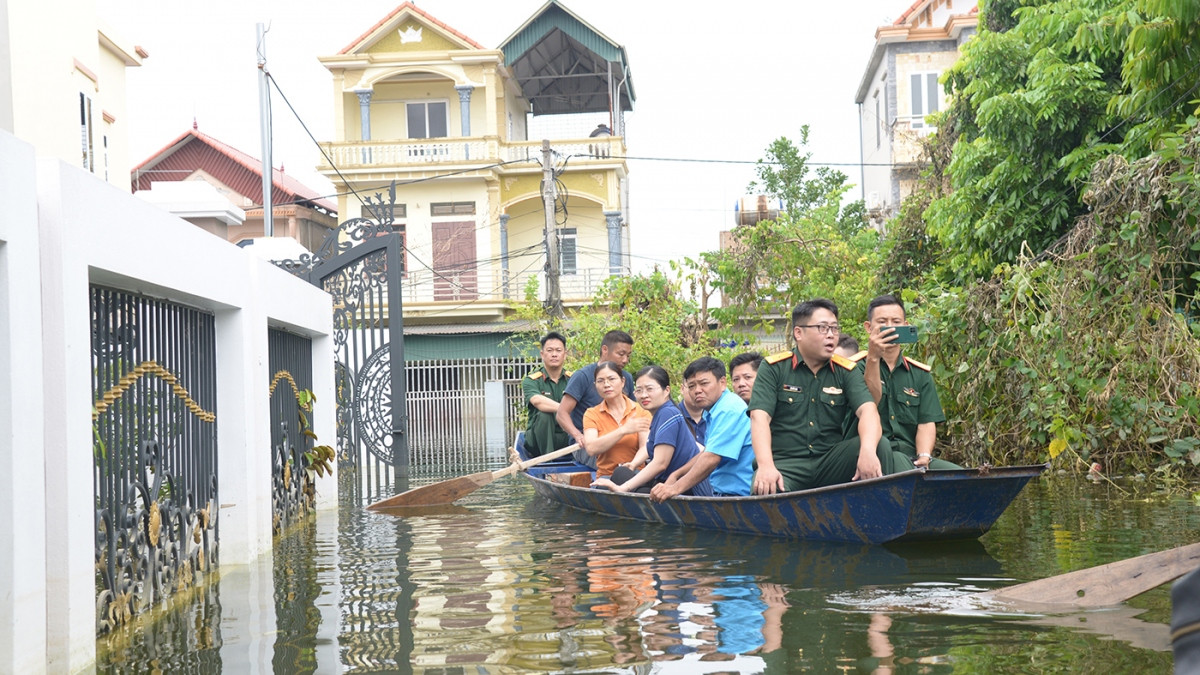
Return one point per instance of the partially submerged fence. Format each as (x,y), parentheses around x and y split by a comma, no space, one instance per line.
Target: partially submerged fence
(447,410)
(290,390)
(154,449)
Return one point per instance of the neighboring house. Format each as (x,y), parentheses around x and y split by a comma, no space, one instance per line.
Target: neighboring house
(454,124)
(899,89)
(62,84)
(299,211)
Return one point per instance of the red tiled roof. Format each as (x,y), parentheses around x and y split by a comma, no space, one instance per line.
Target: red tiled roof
(908,12)
(234,168)
(415,10)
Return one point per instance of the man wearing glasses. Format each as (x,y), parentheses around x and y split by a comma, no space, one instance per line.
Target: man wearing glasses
(801,405)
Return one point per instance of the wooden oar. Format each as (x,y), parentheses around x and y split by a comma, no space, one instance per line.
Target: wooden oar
(1103,585)
(447,491)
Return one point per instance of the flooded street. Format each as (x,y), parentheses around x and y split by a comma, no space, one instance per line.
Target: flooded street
(504,582)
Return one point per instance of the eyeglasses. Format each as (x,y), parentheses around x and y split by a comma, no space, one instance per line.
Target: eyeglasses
(638,391)
(823,328)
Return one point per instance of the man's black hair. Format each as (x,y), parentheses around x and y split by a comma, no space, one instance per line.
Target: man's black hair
(884,301)
(805,309)
(704,364)
(753,358)
(553,335)
(847,341)
(616,337)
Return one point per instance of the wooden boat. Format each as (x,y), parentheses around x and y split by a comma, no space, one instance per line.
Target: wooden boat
(910,506)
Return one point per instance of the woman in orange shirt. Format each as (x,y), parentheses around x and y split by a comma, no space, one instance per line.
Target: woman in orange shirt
(614,430)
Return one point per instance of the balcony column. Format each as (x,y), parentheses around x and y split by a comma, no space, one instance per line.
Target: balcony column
(504,252)
(464,112)
(364,111)
(613,220)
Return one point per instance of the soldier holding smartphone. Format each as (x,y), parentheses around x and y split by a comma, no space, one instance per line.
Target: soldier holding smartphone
(902,388)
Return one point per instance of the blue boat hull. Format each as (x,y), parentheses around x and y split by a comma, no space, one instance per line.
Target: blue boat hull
(871,511)
(964,504)
(910,506)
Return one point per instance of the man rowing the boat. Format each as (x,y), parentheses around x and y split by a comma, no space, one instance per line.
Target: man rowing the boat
(909,409)
(580,394)
(727,457)
(543,389)
(801,403)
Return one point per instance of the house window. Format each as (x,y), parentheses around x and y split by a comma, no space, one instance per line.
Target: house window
(924,97)
(428,119)
(452,209)
(85,133)
(566,251)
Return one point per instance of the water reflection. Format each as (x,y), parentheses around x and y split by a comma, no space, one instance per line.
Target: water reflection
(505,582)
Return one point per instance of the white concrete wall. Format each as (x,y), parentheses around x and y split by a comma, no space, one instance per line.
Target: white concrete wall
(22,452)
(81,231)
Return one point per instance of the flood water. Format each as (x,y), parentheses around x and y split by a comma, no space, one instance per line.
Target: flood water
(504,582)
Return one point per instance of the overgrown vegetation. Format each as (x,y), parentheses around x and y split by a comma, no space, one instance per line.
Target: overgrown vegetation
(1050,251)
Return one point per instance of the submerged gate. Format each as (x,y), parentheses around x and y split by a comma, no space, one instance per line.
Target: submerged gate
(360,264)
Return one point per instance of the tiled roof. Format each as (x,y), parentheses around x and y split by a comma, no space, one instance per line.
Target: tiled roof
(194,150)
(415,10)
(907,13)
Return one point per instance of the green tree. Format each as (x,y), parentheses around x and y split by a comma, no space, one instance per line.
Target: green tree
(819,246)
(1045,90)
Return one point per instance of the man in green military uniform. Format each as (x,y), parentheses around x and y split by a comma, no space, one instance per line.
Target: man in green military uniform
(543,389)
(903,389)
(800,406)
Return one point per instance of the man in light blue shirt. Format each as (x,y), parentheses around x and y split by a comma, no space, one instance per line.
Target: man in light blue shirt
(728,457)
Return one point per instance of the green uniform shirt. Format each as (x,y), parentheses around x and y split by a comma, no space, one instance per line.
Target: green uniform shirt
(809,411)
(543,434)
(909,398)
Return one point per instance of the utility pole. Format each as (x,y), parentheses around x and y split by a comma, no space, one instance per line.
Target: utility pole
(264,120)
(553,294)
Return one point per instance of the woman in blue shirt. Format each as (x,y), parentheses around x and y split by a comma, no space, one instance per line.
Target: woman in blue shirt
(669,445)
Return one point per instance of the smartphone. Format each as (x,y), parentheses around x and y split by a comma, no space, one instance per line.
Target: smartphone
(905,335)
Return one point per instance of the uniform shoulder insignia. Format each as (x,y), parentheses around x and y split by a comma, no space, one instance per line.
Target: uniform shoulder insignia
(776,358)
(859,356)
(917,364)
(536,375)
(844,362)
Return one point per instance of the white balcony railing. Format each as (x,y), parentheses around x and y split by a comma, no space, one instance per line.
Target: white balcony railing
(493,285)
(358,154)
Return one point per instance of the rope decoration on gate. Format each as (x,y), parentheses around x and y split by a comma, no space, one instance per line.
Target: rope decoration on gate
(285,375)
(150,368)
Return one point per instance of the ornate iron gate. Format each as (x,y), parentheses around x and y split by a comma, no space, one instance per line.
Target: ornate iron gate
(292,492)
(154,450)
(360,264)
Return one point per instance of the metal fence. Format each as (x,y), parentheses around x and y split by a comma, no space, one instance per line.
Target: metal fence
(290,358)
(154,450)
(446,409)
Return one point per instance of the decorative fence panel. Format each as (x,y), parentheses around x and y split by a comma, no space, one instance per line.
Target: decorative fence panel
(446,409)
(290,359)
(154,449)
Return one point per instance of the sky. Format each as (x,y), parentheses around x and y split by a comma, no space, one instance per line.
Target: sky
(714,81)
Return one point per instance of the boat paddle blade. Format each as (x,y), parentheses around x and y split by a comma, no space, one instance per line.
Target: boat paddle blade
(448,491)
(441,492)
(1104,585)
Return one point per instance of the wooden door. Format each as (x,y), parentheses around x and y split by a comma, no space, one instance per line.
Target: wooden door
(454,265)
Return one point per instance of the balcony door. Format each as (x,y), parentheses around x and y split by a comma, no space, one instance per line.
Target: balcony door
(454,264)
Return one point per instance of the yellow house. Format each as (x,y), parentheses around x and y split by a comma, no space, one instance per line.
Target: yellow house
(899,89)
(459,128)
(62,84)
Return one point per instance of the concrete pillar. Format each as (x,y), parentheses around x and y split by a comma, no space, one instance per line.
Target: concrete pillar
(464,109)
(613,220)
(494,406)
(364,111)
(504,253)
(22,448)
